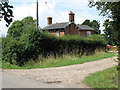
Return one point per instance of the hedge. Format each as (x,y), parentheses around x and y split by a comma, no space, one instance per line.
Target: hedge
(71,45)
(32,44)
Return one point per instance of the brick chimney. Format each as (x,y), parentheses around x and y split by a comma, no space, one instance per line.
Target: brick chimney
(71,16)
(49,20)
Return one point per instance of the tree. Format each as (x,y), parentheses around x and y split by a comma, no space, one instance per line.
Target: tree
(22,42)
(110,33)
(94,24)
(21,26)
(7,12)
(112,10)
(87,22)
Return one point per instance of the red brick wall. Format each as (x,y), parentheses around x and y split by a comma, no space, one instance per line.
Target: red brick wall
(92,32)
(71,29)
(84,32)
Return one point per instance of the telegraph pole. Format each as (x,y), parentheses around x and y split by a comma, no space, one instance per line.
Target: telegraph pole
(0,11)
(37,17)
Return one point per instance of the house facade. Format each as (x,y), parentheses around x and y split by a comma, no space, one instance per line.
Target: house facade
(68,28)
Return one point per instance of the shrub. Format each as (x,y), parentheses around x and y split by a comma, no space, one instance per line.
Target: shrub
(19,49)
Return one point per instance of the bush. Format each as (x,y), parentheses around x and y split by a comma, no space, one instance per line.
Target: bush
(19,49)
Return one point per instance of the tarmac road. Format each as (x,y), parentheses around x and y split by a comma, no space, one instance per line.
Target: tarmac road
(57,77)
(0,79)
(14,81)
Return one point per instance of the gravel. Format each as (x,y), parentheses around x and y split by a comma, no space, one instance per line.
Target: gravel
(68,75)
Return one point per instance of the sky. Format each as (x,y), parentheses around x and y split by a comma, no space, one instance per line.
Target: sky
(57,9)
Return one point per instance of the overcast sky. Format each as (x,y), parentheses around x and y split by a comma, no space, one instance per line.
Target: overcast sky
(57,9)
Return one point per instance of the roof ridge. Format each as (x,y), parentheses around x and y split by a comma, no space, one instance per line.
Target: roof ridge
(65,24)
(57,25)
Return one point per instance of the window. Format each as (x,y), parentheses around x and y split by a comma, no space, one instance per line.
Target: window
(62,33)
(57,33)
(88,33)
(78,32)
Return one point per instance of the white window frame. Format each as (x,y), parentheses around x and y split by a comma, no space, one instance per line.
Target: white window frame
(79,33)
(57,33)
(88,33)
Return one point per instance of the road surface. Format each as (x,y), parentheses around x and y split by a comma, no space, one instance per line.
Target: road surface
(13,81)
(57,77)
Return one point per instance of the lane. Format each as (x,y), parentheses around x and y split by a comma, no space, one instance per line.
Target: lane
(0,79)
(59,77)
(13,81)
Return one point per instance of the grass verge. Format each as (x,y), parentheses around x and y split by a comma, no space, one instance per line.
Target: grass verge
(61,61)
(103,79)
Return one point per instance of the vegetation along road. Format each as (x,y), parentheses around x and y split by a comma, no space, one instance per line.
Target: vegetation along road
(62,77)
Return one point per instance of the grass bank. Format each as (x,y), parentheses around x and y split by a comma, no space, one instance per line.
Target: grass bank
(61,61)
(103,79)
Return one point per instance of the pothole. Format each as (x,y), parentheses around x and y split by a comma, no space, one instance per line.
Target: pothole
(50,82)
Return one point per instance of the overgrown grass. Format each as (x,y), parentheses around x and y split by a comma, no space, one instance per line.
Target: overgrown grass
(61,61)
(103,79)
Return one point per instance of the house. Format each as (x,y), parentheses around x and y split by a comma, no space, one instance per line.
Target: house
(68,28)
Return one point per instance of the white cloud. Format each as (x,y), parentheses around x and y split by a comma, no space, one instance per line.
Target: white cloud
(25,10)
(102,22)
(3,28)
(30,10)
